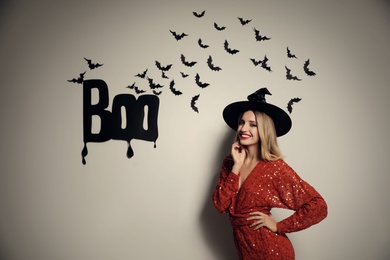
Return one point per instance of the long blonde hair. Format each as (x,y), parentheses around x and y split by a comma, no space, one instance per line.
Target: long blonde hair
(268,146)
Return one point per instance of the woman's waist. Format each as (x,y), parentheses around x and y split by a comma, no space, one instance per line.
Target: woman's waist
(239,218)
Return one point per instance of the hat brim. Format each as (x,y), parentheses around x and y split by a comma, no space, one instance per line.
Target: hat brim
(281,119)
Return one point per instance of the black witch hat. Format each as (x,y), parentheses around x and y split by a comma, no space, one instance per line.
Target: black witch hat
(257,102)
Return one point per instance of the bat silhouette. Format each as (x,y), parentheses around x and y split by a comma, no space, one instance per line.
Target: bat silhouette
(163,75)
(260,37)
(219,28)
(289,76)
(244,22)
(204,46)
(256,62)
(199,15)
(264,64)
(193,103)
(184,75)
(173,90)
(153,85)
(162,68)
(157,92)
(78,80)
(178,36)
(211,65)
(199,83)
(136,89)
(186,63)
(142,75)
(291,102)
(290,55)
(92,65)
(228,49)
(307,70)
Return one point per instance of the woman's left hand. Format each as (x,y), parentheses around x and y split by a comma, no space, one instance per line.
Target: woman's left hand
(262,220)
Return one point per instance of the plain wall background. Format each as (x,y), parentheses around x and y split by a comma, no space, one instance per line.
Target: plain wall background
(157,205)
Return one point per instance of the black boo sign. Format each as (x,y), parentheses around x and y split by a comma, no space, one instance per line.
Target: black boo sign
(111,125)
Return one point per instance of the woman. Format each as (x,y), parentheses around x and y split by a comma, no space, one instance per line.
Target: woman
(254,179)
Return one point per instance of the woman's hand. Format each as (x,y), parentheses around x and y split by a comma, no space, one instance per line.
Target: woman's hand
(238,154)
(262,220)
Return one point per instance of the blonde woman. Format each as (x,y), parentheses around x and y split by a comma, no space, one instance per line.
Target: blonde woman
(254,179)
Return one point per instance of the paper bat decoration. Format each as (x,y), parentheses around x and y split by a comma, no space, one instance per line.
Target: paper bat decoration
(204,46)
(219,28)
(228,49)
(290,55)
(193,103)
(153,85)
(211,65)
(173,90)
(307,70)
(163,75)
(157,92)
(184,75)
(199,83)
(92,65)
(289,76)
(199,15)
(78,80)
(260,37)
(291,102)
(243,21)
(136,89)
(178,36)
(262,63)
(186,63)
(162,68)
(142,75)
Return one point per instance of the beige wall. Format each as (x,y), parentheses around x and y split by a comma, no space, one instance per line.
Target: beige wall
(157,204)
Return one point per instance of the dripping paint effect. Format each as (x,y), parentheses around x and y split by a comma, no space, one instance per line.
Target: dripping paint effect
(130,152)
(84,153)
(155,144)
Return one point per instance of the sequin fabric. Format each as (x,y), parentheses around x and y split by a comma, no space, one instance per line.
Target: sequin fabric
(269,185)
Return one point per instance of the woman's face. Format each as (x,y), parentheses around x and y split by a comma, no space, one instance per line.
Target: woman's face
(247,131)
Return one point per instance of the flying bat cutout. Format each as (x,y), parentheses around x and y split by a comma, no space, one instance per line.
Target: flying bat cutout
(177,36)
(228,49)
(243,21)
(163,68)
(193,103)
(187,63)
(142,75)
(290,55)
(289,76)
(291,102)
(307,70)
(136,89)
(153,85)
(157,93)
(199,15)
(201,44)
(173,90)
(259,37)
(183,75)
(199,83)
(262,63)
(92,65)
(211,65)
(163,75)
(78,80)
(219,28)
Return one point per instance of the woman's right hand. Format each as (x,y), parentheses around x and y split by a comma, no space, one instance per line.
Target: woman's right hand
(238,154)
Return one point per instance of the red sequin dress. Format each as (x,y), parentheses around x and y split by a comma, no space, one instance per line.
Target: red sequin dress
(269,185)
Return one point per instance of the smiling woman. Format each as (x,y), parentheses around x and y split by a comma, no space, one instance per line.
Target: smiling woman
(254,179)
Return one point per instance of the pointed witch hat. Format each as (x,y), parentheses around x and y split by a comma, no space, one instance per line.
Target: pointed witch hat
(257,102)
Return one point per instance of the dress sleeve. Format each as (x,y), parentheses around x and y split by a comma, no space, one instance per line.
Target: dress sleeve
(296,194)
(226,188)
